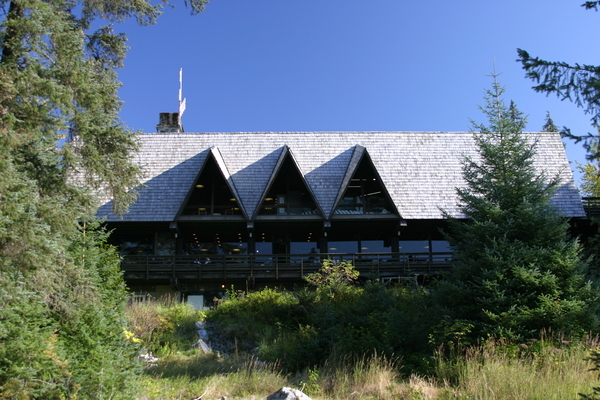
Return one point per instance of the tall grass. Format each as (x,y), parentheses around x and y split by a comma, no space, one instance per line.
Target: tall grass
(487,372)
(550,368)
(164,326)
(496,371)
(212,377)
(367,377)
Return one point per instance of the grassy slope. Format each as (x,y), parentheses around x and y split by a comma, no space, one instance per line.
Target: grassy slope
(546,369)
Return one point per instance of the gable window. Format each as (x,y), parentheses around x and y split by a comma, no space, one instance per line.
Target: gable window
(365,193)
(211,195)
(288,195)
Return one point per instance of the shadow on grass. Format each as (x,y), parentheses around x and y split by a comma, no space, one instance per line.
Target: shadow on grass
(201,366)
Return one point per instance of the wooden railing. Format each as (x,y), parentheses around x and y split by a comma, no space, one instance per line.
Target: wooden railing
(280,266)
(591,205)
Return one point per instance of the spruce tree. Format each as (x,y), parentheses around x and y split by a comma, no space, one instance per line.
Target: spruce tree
(590,184)
(516,269)
(62,295)
(574,82)
(549,125)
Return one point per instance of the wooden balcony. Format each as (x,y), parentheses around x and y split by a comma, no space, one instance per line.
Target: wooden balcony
(280,266)
(591,205)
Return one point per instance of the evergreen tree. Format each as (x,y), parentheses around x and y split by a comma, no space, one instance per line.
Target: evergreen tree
(61,296)
(516,269)
(549,125)
(590,184)
(579,83)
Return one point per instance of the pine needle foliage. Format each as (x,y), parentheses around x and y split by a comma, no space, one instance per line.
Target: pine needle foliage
(61,291)
(517,271)
(578,83)
(590,181)
(549,125)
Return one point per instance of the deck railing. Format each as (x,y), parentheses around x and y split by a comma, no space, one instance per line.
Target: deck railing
(591,205)
(280,266)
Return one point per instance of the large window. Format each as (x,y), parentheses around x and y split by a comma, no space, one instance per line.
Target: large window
(414,246)
(210,194)
(365,193)
(226,243)
(374,246)
(339,247)
(264,248)
(288,195)
(441,246)
(422,246)
(303,247)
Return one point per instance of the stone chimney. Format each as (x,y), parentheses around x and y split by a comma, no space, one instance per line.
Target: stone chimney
(169,123)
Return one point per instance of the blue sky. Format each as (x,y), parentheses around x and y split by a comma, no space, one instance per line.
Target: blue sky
(320,65)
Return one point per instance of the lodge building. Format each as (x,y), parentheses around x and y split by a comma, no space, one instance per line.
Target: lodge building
(257,209)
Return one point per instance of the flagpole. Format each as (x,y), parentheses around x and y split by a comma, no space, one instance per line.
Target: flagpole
(181,99)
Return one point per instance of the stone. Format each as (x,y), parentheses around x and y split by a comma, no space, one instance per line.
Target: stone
(203,334)
(201,344)
(286,393)
(148,357)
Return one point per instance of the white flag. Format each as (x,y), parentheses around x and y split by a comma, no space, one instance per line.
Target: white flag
(181,100)
(181,107)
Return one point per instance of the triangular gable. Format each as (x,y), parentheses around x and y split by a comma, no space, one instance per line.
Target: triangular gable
(251,178)
(166,183)
(212,192)
(219,159)
(305,182)
(363,190)
(325,169)
(357,155)
(290,194)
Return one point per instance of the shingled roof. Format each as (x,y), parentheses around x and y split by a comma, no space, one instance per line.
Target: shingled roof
(420,170)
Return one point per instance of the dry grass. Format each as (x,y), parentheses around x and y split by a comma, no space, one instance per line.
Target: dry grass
(556,370)
(366,378)
(426,388)
(484,373)
(212,376)
(552,373)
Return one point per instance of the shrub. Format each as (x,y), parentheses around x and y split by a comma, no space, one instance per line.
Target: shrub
(334,280)
(248,319)
(61,328)
(164,326)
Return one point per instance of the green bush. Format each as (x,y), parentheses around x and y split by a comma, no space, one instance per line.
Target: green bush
(31,366)
(165,326)
(301,329)
(334,280)
(61,329)
(248,319)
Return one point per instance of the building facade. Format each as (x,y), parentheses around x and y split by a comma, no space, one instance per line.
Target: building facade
(255,209)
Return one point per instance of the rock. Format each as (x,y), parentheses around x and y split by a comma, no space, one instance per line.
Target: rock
(201,344)
(286,393)
(148,357)
(203,334)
